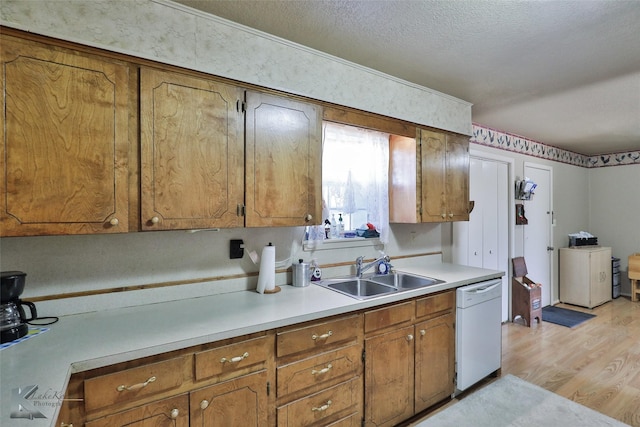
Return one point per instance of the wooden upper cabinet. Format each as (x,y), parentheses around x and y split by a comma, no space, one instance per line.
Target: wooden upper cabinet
(65,141)
(283,161)
(457,166)
(191,152)
(429,178)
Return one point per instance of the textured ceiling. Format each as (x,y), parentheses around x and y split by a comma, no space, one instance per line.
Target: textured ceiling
(565,73)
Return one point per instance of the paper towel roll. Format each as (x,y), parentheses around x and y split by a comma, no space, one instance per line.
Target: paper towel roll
(267,274)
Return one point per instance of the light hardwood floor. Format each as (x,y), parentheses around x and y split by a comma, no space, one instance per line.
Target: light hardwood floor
(596,364)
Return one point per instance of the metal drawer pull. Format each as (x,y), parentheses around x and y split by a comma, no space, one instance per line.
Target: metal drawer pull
(323,370)
(235,359)
(321,337)
(323,407)
(174,413)
(136,387)
(204,404)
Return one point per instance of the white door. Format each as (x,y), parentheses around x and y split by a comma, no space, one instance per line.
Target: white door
(538,238)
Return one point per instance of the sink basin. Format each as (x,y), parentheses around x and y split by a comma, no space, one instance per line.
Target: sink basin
(377,286)
(404,280)
(359,288)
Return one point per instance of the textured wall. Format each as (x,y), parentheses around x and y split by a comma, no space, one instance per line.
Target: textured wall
(166,32)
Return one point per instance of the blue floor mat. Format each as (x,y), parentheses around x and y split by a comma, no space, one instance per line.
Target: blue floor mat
(564,316)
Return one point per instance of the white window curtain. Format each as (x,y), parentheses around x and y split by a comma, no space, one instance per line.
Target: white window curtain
(355,177)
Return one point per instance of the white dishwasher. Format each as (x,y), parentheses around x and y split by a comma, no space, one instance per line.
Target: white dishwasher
(478,332)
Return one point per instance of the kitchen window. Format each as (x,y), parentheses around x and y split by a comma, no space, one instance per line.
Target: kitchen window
(355,177)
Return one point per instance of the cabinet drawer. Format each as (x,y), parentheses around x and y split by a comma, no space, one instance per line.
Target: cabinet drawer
(435,304)
(239,358)
(324,407)
(133,384)
(318,336)
(319,371)
(353,420)
(388,316)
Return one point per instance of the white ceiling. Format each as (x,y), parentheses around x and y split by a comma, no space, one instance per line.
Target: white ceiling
(562,72)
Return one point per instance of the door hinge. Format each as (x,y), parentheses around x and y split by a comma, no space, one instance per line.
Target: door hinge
(268,388)
(364,355)
(240,210)
(241,106)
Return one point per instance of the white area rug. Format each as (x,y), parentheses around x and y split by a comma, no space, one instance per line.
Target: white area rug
(512,402)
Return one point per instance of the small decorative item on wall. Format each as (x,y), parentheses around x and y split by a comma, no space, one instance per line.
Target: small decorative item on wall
(520,218)
(524,189)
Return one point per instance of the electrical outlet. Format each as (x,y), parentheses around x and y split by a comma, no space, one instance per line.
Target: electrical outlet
(236,249)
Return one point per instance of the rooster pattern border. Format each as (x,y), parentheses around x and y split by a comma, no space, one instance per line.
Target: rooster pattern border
(505,141)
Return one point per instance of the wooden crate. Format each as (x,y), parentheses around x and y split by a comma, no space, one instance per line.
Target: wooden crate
(526,295)
(634,276)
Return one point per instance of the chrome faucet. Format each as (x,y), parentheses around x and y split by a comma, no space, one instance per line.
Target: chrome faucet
(361,269)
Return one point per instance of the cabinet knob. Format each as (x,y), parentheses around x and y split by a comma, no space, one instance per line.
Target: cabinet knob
(409,337)
(155,220)
(444,215)
(450,215)
(204,404)
(63,424)
(423,332)
(308,218)
(174,413)
(114,221)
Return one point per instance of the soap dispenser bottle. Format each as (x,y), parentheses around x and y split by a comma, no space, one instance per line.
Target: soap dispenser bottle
(334,227)
(340,225)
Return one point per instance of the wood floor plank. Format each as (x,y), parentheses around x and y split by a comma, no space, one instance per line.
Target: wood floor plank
(596,364)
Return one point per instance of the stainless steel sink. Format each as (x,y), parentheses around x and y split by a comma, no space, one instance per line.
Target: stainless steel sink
(404,280)
(359,288)
(378,285)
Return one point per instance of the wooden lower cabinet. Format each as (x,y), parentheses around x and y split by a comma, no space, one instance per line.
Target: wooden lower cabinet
(389,377)
(319,373)
(171,412)
(409,358)
(434,361)
(241,402)
(377,368)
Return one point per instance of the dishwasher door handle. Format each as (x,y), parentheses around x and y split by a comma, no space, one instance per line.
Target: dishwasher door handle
(484,288)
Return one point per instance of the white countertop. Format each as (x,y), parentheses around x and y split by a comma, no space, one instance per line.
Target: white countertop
(86,341)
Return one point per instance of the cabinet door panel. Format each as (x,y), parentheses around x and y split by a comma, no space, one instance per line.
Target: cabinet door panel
(389,378)
(457,182)
(192,153)
(434,176)
(241,402)
(283,162)
(65,141)
(434,362)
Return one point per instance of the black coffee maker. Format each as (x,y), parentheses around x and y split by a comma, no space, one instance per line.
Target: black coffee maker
(12,315)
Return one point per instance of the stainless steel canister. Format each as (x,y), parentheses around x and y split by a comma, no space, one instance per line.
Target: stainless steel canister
(301,274)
